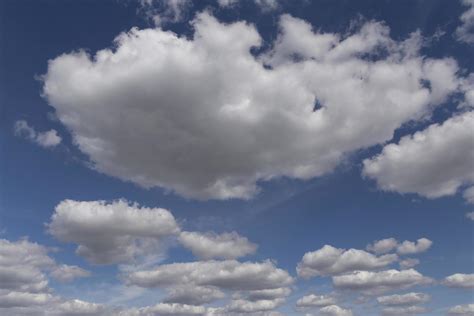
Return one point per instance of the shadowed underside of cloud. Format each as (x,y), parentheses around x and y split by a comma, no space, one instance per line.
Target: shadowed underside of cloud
(205,118)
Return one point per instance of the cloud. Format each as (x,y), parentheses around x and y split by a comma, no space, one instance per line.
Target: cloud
(468,195)
(162,12)
(404,248)
(383,246)
(228,274)
(379,282)
(113,232)
(22,266)
(464,32)
(166,309)
(434,162)
(410,247)
(211,245)
(404,299)
(44,139)
(23,299)
(463,310)
(332,261)
(470,215)
(244,306)
(334,310)
(408,263)
(265,5)
(78,307)
(254,287)
(193,295)
(409,310)
(460,280)
(210,120)
(313,300)
(67,273)
(24,284)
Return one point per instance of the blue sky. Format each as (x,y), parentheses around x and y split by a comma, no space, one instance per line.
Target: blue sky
(184,169)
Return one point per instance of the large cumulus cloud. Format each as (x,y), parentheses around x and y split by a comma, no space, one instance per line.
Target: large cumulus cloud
(205,118)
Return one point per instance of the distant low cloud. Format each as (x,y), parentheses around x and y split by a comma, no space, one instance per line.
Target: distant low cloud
(43,139)
(404,311)
(403,248)
(256,286)
(462,310)
(333,261)
(210,245)
(313,300)
(404,299)
(371,283)
(67,273)
(334,310)
(460,280)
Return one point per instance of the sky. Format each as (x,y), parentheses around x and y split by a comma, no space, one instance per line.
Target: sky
(236,157)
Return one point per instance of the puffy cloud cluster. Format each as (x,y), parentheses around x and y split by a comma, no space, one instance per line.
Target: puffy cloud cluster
(211,245)
(257,286)
(405,248)
(24,283)
(462,310)
(67,273)
(313,300)
(209,119)
(434,162)
(404,304)
(400,311)
(44,139)
(265,5)
(465,32)
(460,280)
(111,232)
(404,299)
(378,282)
(335,310)
(333,261)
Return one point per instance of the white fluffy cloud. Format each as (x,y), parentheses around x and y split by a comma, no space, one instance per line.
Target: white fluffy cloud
(166,309)
(468,195)
(378,282)
(23,265)
(462,310)
(405,248)
(228,274)
(408,263)
(44,139)
(470,215)
(334,310)
(209,120)
(67,273)
(434,162)
(313,300)
(383,245)
(111,232)
(404,299)
(460,280)
(24,284)
(210,245)
(332,261)
(465,32)
(410,247)
(404,311)
(256,287)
